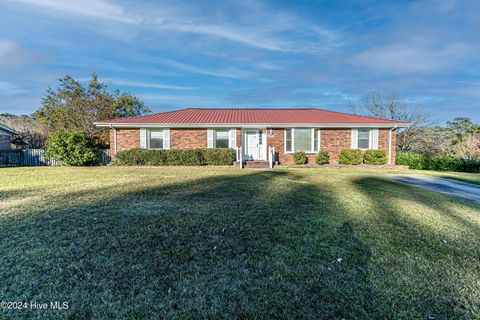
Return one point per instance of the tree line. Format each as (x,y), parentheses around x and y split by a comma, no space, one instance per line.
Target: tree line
(73,107)
(459,137)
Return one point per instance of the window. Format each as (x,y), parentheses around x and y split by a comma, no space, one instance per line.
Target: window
(302,139)
(288,140)
(363,141)
(155,139)
(221,138)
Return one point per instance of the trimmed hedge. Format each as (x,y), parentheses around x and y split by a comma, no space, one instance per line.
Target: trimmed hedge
(300,157)
(322,158)
(350,156)
(438,163)
(176,157)
(377,157)
(72,148)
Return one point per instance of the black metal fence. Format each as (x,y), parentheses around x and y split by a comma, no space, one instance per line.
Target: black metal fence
(37,157)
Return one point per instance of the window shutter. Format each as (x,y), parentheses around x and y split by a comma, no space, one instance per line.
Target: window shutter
(166,138)
(210,138)
(354,139)
(375,139)
(232,141)
(143,138)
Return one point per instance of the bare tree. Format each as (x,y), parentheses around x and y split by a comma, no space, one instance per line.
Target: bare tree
(469,146)
(389,106)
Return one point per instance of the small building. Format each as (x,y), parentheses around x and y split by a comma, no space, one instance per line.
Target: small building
(6,137)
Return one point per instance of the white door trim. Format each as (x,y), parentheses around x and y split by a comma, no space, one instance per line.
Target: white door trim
(260,152)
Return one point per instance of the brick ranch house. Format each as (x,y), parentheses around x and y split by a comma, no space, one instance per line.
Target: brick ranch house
(252,131)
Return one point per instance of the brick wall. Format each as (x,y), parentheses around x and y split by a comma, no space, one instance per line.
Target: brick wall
(188,138)
(126,139)
(332,140)
(383,141)
(276,140)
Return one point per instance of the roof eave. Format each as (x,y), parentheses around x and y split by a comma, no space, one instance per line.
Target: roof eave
(251,125)
(7,129)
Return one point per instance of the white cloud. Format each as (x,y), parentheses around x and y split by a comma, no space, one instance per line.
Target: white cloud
(154,85)
(410,57)
(234,73)
(8,88)
(10,54)
(264,30)
(89,8)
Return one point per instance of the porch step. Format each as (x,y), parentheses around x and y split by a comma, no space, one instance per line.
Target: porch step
(253,164)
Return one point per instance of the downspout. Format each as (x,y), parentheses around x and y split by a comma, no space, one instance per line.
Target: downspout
(390,145)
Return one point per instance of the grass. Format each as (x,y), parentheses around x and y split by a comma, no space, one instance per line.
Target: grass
(221,243)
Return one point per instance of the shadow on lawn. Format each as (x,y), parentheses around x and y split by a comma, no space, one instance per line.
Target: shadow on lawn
(262,245)
(428,256)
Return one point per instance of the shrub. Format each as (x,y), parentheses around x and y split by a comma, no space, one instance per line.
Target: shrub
(413,160)
(218,157)
(322,158)
(437,163)
(300,157)
(176,157)
(72,148)
(350,156)
(444,163)
(471,165)
(376,157)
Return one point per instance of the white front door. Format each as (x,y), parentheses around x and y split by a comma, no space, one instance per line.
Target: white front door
(252,145)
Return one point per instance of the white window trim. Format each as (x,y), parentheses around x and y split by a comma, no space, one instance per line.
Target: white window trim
(312,144)
(212,137)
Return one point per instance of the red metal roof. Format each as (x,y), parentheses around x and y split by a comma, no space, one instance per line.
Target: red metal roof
(246,115)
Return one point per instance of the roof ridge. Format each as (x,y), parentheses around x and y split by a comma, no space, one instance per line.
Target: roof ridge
(246,108)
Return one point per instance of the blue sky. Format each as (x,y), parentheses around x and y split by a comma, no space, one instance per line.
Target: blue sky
(246,53)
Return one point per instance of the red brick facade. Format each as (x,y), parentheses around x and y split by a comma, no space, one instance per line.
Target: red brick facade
(332,140)
(126,139)
(188,138)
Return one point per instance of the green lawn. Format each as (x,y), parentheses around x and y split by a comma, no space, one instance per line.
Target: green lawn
(217,243)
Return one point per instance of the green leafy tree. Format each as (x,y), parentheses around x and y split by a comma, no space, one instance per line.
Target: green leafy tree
(72,148)
(74,107)
(462,127)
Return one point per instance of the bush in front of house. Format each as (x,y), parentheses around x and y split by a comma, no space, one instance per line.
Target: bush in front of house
(72,148)
(350,156)
(376,157)
(176,157)
(300,157)
(420,161)
(413,160)
(322,158)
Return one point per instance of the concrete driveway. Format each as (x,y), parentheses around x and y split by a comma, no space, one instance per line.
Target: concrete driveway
(456,188)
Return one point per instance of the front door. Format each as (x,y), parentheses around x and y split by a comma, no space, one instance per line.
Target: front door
(252,145)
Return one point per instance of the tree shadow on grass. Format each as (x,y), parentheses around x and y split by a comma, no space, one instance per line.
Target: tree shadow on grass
(257,245)
(436,266)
